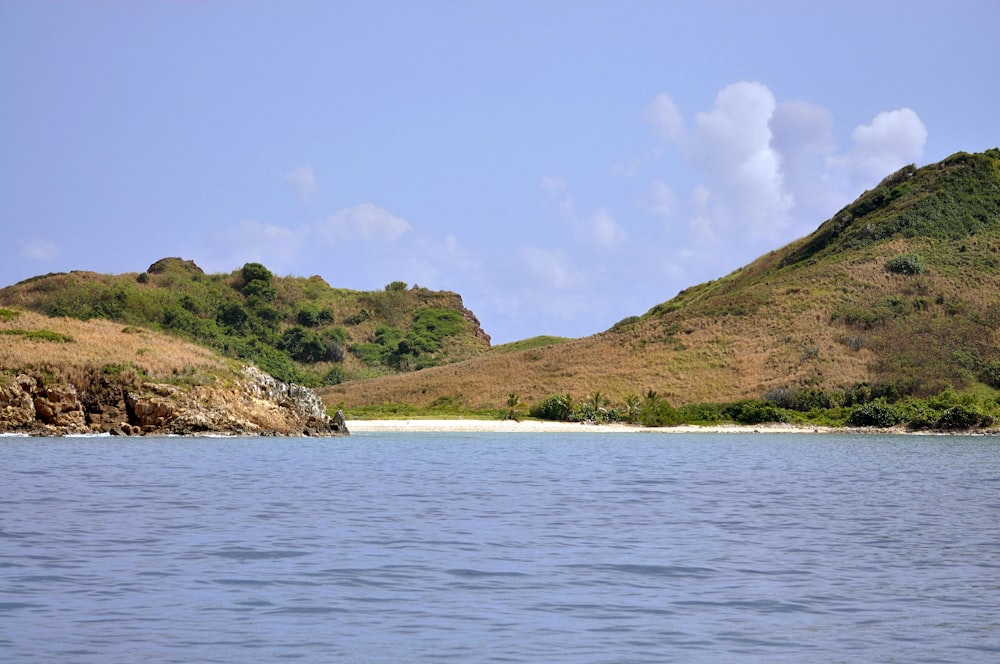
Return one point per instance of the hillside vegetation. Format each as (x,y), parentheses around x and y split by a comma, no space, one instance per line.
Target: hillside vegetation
(297,329)
(894,296)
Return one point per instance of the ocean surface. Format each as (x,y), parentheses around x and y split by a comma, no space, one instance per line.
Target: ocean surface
(396,547)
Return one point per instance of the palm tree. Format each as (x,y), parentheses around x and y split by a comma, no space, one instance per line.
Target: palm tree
(633,404)
(599,403)
(513,406)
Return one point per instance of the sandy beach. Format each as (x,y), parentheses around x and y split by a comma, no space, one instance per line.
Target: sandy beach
(534,426)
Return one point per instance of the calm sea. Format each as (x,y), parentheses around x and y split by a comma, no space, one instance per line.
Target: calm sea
(501,548)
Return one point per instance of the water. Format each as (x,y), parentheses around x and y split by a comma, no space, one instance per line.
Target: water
(501,548)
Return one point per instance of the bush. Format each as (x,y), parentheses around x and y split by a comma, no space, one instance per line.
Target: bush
(753,411)
(801,400)
(334,376)
(877,413)
(313,316)
(963,417)
(558,407)
(990,374)
(700,413)
(905,264)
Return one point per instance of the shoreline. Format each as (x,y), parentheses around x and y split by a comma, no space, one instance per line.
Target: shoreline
(540,426)
(537,426)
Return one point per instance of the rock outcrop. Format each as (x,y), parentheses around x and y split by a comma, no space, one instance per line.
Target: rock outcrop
(255,404)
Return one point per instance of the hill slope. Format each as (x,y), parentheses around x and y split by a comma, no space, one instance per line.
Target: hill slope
(297,329)
(63,376)
(897,291)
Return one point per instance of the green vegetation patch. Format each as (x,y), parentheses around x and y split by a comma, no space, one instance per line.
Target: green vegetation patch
(530,344)
(909,264)
(287,326)
(8,314)
(39,335)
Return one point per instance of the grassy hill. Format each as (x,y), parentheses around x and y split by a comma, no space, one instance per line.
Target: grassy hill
(296,329)
(896,295)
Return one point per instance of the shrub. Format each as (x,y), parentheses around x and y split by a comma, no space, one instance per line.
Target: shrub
(311,316)
(905,264)
(877,413)
(657,412)
(257,282)
(558,407)
(700,413)
(990,374)
(963,417)
(335,376)
(752,411)
(802,400)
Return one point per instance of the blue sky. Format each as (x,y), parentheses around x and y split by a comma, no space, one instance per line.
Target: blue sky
(561,164)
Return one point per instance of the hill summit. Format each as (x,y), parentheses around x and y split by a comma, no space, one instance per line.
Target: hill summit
(297,329)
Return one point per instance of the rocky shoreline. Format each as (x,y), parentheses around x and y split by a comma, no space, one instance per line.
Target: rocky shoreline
(255,404)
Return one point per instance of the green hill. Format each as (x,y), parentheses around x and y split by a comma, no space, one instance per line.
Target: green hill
(896,295)
(296,329)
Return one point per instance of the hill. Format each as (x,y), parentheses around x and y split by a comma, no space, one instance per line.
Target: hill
(297,329)
(895,295)
(63,376)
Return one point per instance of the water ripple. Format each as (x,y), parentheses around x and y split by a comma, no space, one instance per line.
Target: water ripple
(522,548)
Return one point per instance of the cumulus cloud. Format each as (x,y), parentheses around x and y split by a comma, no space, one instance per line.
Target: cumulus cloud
(38,249)
(731,146)
(303,181)
(364,222)
(892,140)
(771,171)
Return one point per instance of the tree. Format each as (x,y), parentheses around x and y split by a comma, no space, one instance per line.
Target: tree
(514,406)
(633,405)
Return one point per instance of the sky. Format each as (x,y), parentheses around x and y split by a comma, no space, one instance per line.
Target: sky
(562,164)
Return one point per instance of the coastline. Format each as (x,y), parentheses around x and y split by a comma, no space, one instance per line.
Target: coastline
(537,426)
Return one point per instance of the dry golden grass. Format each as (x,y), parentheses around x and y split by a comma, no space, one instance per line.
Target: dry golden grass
(97,343)
(785,334)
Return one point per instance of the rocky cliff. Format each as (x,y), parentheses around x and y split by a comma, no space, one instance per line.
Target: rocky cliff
(254,404)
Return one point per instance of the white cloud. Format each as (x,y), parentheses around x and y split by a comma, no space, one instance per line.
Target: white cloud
(37,249)
(773,168)
(731,146)
(892,140)
(366,222)
(303,181)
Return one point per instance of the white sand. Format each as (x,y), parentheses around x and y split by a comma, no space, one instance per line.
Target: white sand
(534,426)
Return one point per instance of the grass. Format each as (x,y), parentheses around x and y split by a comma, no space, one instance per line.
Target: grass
(96,344)
(298,329)
(824,312)
(38,335)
